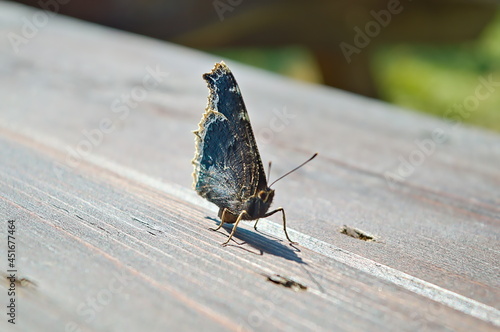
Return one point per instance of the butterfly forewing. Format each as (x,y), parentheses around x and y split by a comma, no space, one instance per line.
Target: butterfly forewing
(228,168)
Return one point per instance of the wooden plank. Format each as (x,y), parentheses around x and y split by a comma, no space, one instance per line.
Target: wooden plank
(140,240)
(123,207)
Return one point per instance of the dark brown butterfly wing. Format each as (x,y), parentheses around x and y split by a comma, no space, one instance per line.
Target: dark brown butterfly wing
(228,169)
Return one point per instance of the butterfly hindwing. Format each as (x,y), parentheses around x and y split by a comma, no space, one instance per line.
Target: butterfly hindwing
(216,172)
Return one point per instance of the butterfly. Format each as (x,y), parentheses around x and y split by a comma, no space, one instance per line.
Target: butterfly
(228,170)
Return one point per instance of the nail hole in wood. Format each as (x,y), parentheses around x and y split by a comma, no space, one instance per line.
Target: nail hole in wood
(357,233)
(287,282)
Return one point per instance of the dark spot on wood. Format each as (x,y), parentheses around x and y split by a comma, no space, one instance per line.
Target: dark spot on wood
(151,227)
(102,229)
(287,282)
(357,233)
(138,220)
(26,283)
(21,282)
(60,208)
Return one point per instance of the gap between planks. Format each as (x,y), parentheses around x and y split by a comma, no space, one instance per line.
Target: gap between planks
(415,285)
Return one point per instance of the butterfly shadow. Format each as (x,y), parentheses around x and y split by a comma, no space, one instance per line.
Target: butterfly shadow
(264,243)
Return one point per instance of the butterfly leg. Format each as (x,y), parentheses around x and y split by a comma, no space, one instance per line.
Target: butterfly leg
(284,222)
(255,225)
(222,218)
(235,226)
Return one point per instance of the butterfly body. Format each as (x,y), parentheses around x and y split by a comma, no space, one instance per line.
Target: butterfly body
(255,206)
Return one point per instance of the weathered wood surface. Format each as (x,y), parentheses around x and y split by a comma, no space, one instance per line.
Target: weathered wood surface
(115,239)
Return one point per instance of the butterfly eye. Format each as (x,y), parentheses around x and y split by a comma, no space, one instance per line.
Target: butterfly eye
(262,195)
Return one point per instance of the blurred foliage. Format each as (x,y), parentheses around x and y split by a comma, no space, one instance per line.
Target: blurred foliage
(427,78)
(294,61)
(433,79)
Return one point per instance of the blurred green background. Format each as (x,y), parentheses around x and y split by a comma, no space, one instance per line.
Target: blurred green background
(432,78)
(423,77)
(426,55)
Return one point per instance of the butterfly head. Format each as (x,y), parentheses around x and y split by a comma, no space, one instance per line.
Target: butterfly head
(259,203)
(266,196)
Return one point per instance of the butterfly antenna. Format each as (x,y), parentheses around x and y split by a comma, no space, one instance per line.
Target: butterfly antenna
(268,171)
(293,170)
